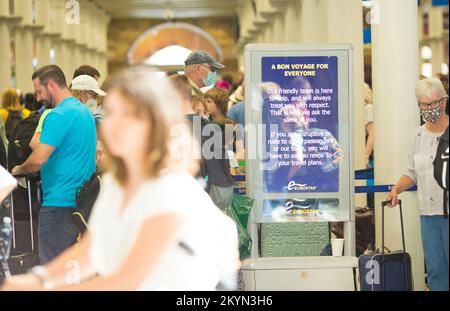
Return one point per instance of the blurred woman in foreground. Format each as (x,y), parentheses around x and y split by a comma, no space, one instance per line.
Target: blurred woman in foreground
(153,227)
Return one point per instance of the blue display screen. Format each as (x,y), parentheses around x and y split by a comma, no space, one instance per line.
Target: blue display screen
(300,113)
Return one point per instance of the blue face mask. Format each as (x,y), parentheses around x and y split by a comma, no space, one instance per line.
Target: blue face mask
(210,78)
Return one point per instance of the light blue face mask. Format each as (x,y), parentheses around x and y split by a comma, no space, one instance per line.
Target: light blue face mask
(210,78)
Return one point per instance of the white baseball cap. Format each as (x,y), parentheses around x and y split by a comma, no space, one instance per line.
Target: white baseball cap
(87,83)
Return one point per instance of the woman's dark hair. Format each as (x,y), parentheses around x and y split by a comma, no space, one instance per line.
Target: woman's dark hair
(220,98)
(31,103)
(228,77)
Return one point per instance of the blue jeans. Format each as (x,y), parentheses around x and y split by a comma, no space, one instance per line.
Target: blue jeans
(56,232)
(435,247)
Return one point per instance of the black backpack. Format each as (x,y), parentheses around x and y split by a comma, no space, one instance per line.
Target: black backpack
(213,171)
(441,168)
(85,199)
(19,143)
(14,117)
(3,161)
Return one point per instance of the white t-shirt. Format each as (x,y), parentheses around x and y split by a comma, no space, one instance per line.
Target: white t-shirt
(368,114)
(6,179)
(7,183)
(368,106)
(367,93)
(208,233)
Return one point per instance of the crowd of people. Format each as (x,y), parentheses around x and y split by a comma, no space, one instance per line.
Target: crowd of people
(159,218)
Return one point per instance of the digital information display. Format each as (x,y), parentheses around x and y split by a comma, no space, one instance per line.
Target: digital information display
(301,98)
(301,110)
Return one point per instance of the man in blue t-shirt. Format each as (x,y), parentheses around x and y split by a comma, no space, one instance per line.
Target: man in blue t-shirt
(65,157)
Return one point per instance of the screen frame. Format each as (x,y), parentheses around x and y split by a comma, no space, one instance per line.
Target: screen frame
(253,115)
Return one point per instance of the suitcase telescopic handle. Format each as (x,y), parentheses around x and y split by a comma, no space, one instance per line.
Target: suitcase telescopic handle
(30,209)
(383,206)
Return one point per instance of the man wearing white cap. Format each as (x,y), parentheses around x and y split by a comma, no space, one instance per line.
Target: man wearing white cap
(86,89)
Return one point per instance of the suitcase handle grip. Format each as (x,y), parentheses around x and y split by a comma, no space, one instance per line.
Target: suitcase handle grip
(19,176)
(386,203)
(383,205)
(32,175)
(378,250)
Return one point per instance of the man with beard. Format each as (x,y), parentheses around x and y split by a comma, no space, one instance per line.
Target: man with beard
(65,156)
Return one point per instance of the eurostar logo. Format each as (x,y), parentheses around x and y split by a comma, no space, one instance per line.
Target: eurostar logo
(290,205)
(303,208)
(302,187)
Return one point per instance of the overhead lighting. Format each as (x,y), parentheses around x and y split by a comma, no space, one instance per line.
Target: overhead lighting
(444,68)
(367,4)
(52,56)
(168,14)
(426,52)
(427,69)
(173,55)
